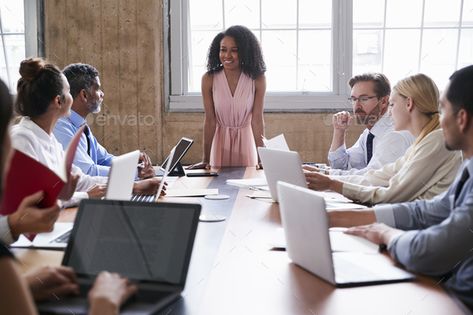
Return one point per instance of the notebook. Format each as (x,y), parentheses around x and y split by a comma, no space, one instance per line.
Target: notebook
(281,165)
(305,222)
(150,243)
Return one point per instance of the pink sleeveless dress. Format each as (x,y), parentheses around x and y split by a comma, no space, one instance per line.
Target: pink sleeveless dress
(233,143)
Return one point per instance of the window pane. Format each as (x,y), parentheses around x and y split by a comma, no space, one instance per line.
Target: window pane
(467,13)
(12,16)
(402,54)
(15,48)
(442,13)
(367,51)
(315,14)
(280,54)
(236,9)
(368,13)
(3,67)
(315,66)
(278,14)
(200,43)
(465,56)
(200,17)
(398,15)
(438,54)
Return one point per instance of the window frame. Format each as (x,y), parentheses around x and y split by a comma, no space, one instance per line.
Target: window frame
(175,66)
(33,33)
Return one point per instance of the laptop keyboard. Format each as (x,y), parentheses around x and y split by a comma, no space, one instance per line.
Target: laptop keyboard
(143,198)
(62,238)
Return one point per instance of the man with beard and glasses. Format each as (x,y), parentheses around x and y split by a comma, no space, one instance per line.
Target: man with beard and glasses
(379,144)
(91,157)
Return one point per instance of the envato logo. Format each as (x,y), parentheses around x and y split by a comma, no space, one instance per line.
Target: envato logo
(107,119)
(327,120)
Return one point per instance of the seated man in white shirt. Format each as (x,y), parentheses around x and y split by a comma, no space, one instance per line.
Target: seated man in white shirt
(379,144)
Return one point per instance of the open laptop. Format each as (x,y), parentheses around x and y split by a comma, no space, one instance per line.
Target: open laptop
(181,149)
(150,243)
(305,222)
(281,165)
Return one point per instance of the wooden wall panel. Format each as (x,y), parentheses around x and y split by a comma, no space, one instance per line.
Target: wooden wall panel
(124,40)
(110,76)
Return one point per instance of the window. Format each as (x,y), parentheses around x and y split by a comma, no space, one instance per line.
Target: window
(17,39)
(434,37)
(305,44)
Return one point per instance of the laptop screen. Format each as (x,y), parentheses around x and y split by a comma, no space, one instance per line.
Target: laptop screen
(142,241)
(181,149)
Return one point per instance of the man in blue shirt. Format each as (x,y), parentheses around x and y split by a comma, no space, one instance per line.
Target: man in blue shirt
(91,157)
(433,237)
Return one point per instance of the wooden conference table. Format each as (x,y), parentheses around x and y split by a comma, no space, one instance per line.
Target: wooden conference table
(233,270)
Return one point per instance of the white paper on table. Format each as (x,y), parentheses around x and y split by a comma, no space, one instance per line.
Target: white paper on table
(248,182)
(277,143)
(190,192)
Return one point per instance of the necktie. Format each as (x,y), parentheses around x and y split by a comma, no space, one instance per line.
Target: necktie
(87,133)
(461,183)
(369,147)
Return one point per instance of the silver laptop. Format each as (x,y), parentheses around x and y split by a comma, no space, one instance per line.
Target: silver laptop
(149,243)
(122,176)
(305,222)
(281,165)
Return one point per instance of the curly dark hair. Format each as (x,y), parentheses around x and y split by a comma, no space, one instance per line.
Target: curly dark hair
(81,76)
(249,51)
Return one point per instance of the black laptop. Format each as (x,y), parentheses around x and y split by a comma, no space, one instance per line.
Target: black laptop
(150,243)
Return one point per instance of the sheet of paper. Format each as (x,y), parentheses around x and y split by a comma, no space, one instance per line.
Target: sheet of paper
(342,242)
(190,192)
(333,205)
(277,143)
(248,182)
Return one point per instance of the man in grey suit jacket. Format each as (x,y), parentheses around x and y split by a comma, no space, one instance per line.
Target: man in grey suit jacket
(433,237)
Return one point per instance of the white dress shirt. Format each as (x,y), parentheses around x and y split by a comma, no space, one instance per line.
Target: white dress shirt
(388,146)
(32,140)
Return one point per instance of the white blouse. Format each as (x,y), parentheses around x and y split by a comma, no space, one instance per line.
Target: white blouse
(32,140)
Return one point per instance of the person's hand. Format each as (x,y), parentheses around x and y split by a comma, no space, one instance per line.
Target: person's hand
(378,233)
(199,166)
(52,282)
(146,169)
(97,191)
(341,120)
(109,292)
(69,188)
(317,181)
(28,218)
(148,186)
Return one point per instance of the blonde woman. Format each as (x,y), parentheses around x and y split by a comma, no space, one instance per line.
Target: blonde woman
(426,169)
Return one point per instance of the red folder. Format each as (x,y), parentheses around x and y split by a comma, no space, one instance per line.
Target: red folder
(27,176)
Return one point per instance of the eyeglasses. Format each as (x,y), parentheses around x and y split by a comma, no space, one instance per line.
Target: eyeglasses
(363,99)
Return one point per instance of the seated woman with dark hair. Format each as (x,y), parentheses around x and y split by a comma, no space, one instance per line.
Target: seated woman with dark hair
(43,97)
(18,293)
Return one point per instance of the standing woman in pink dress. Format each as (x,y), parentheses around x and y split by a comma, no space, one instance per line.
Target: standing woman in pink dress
(233,91)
